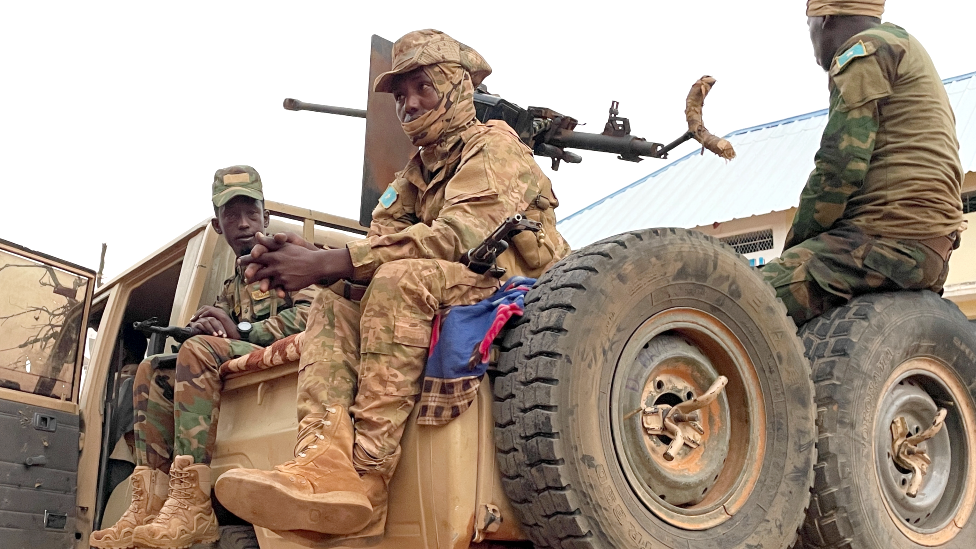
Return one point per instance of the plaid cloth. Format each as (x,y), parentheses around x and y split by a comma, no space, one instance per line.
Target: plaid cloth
(444,399)
(460,344)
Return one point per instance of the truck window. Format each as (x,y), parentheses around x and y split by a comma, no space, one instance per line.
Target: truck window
(41,317)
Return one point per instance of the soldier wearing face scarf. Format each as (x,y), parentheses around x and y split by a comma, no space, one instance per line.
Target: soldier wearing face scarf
(881,210)
(366,343)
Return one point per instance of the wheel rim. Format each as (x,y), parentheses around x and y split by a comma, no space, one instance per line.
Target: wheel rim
(945,500)
(673,356)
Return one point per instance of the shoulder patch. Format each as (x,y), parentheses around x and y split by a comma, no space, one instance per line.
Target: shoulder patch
(855,51)
(388,197)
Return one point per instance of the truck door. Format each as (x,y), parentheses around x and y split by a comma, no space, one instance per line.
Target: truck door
(44,306)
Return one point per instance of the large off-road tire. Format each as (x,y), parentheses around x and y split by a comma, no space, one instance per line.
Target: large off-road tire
(881,357)
(653,318)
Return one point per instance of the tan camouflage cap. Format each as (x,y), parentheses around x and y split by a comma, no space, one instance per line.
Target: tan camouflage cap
(871,8)
(428,47)
(236,181)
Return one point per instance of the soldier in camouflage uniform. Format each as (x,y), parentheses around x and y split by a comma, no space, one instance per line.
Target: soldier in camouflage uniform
(177,401)
(364,353)
(882,209)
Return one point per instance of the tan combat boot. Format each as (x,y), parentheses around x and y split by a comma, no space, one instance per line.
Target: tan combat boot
(376,488)
(319,490)
(149,488)
(187,516)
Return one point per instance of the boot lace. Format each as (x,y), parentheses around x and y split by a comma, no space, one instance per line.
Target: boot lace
(179,493)
(138,494)
(310,435)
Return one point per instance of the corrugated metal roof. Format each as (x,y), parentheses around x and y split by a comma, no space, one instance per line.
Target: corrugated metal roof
(771,168)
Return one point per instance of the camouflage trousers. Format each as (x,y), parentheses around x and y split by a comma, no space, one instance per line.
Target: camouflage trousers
(828,270)
(370,356)
(176,409)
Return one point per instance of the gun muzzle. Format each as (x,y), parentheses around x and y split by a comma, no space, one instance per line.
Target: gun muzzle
(296,105)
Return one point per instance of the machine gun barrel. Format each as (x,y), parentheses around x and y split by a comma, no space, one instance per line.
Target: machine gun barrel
(296,105)
(627,145)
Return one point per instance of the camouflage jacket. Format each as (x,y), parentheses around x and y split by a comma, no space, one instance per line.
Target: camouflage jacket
(271,317)
(439,209)
(888,160)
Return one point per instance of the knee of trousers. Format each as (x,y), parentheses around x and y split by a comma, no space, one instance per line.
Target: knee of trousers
(201,351)
(405,281)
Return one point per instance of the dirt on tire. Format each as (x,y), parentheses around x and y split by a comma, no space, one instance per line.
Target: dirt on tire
(577,464)
(883,357)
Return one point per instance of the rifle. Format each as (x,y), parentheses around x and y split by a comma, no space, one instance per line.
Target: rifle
(481,258)
(158,334)
(151,326)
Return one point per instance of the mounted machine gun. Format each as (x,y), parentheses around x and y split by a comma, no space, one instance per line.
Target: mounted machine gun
(545,131)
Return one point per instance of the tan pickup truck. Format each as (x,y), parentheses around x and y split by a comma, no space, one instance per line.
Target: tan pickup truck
(653,395)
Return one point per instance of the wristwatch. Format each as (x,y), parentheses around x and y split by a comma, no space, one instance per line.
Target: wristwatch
(244,328)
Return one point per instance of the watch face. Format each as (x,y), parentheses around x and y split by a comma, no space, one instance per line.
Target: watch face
(244,326)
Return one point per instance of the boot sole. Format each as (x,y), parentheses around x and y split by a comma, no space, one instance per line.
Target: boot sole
(112,544)
(154,544)
(264,503)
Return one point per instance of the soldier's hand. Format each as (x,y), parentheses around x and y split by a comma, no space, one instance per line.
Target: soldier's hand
(293,267)
(210,320)
(265,244)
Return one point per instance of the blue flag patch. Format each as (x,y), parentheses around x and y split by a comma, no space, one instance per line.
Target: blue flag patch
(855,51)
(389,197)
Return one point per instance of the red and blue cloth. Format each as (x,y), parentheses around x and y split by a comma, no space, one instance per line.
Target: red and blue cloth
(460,348)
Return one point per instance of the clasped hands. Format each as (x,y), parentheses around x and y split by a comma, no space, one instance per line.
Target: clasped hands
(285,262)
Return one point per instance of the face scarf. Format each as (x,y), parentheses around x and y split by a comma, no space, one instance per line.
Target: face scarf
(454,112)
(871,8)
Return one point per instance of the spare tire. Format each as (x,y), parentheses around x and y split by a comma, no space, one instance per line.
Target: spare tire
(641,322)
(880,358)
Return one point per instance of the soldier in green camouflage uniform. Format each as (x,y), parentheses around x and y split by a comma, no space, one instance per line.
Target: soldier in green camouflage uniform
(882,209)
(177,402)
(364,354)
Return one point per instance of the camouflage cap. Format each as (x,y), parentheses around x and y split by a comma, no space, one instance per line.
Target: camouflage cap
(236,181)
(871,8)
(429,47)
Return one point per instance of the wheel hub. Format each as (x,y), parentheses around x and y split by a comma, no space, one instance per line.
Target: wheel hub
(920,450)
(679,460)
(681,423)
(690,446)
(906,452)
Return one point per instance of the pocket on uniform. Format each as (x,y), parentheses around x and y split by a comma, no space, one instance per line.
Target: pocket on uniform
(898,263)
(414,332)
(537,252)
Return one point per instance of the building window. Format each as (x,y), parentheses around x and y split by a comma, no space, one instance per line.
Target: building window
(968,202)
(747,243)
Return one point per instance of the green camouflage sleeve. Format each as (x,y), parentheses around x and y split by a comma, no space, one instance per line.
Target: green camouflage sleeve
(225,300)
(287,322)
(488,186)
(840,165)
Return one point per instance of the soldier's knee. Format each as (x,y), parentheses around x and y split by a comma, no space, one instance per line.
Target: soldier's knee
(204,348)
(144,372)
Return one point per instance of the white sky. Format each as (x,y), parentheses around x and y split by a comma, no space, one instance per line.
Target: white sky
(114,115)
